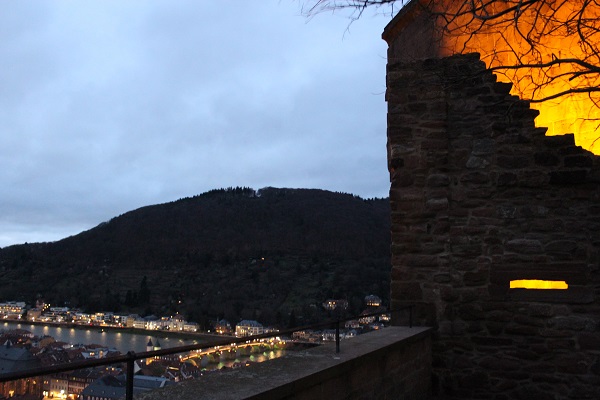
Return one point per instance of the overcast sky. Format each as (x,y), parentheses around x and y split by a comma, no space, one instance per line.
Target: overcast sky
(108,106)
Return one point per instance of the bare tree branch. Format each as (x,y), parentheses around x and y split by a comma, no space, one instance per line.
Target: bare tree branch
(548,49)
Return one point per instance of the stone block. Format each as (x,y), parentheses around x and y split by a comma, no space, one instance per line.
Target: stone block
(467,250)
(448,294)
(477,178)
(589,341)
(571,363)
(477,278)
(578,161)
(574,295)
(500,315)
(530,392)
(474,380)
(560,344)
(406,291)
(492,341)
(525,246)
(471,312)
(506,211)
(524,354)
(419,260)
(574,323)
(475,162)
(437,204)
(533,179)
(571,177)
(499,363)
(513,162)
(483,147)
(438,180)
(442,278)
(540,310)
(561,246)
(560,140)
(522,330)
(535,211)
(487,212)
(546,159)
(525,319)
(554,333)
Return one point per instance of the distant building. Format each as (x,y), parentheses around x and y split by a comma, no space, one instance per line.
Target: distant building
(59,309)
(80,379)
(129,323)
(385,317)
(372,301)
(15,359)
(351,333)
(308,336)
(366,318)
(121,319)
(34,314)
(12,309)
(177,323)
(248,328)
(83,317)
(113,387)
(139,324)
(301,335)
(58,385)
(191,327)
(332,304)
(223,327)
(328,335)
(352,324)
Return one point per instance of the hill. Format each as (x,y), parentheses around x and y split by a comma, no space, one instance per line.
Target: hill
(234,253)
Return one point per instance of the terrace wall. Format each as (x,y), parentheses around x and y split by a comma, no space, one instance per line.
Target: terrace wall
(392,363)
(479,197)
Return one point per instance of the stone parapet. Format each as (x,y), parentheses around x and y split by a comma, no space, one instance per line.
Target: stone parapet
(393,363)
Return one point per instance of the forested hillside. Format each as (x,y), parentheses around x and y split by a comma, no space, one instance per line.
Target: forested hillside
(272,254)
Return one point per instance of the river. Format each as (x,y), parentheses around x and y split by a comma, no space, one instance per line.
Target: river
(122,341)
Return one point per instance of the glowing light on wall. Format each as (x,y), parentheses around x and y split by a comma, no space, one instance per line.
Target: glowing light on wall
(504,43)
(538,284)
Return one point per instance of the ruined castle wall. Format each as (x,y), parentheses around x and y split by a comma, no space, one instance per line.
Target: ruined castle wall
(480,197)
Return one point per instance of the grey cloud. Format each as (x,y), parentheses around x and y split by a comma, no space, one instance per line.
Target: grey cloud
(110,106)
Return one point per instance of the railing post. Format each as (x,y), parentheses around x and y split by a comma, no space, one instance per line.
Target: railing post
(130,373)
(337,336)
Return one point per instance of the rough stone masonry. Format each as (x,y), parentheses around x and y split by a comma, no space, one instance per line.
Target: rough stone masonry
(480,197)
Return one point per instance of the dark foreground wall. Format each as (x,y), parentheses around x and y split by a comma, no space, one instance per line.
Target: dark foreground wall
(481,197)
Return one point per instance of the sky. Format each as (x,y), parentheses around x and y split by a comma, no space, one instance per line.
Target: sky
(108,106)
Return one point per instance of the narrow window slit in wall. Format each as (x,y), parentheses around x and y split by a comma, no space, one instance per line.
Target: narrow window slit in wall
(538,284)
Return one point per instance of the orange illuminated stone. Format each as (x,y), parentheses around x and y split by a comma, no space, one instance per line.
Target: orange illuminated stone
(538,284)
(543,33)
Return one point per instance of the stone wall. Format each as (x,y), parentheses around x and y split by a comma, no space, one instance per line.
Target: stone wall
(392,363)
(479,197)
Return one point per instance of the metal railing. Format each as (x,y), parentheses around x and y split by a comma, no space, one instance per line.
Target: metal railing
(131,357)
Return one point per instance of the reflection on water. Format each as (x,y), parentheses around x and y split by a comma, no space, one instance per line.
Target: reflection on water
(122,341)
(241,359)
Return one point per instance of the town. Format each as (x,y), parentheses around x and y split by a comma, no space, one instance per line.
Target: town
(21,349)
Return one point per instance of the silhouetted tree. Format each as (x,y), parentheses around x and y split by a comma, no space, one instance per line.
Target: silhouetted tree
(144,293)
